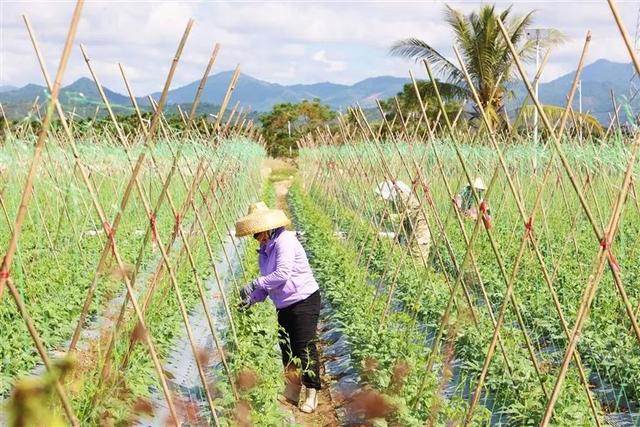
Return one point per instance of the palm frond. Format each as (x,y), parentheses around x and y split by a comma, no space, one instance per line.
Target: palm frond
(516,28)
(448,91)
(555,113)
(484,51)
(460,25)
(556,37)
(417,50)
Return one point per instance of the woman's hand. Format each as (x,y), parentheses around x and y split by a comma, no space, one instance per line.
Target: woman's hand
(244,304)
(245,296)
(246,291)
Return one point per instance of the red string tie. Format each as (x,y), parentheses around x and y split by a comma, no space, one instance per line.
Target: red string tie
(427,193)
(177,224)
(486,218)
(606,246)
(154,228)
(529,227)
(4,275)
(111,236)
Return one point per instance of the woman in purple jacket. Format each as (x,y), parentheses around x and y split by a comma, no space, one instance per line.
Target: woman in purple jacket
(286,278)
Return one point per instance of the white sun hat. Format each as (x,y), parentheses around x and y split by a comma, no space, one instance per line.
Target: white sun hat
(478,184)
(260,218)
(389,189)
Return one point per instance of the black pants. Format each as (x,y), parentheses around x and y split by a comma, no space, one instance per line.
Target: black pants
(299,323)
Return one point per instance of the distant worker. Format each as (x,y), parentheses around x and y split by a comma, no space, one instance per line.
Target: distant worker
(286,278)
(406,207)
(465,201)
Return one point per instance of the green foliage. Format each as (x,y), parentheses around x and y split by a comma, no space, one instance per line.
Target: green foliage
(483,49)
(60,245)
(608,347)
(407,103)
(89,125)
(287,122)
(576,122)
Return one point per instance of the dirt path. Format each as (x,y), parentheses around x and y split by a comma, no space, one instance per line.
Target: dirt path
(282,189)
(325,414)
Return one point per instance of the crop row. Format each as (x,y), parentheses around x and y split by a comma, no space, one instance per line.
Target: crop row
(421,294)
(61,243)
(564,237)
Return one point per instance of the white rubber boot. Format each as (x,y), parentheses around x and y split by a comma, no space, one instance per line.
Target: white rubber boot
(311,402)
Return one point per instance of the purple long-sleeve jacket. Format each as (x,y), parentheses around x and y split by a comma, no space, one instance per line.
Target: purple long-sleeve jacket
(286,276)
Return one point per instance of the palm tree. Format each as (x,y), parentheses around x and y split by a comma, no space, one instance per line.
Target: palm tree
(483,49)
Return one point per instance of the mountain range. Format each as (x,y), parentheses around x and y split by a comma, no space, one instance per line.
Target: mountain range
(598,80)
(261,95)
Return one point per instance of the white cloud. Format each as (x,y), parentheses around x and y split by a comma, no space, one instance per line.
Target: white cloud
(273,40)
(331,65)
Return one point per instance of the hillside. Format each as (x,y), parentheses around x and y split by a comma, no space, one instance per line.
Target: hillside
(261,95)
(81,96)
(598,80)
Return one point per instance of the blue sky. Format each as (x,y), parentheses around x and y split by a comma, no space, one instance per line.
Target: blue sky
(283,42)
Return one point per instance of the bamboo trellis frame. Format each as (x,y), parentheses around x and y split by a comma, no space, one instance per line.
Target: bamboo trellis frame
(212,176)
(208,193)
(324,180)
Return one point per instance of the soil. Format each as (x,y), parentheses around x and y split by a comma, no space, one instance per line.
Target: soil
(325,414)
(282,189)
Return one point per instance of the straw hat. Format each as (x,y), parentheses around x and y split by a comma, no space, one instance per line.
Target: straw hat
(260,218)
(478,184)
(389,189)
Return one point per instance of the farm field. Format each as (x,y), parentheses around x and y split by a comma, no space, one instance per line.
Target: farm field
(61,248)
(417,330)
(476,266)
(465,281)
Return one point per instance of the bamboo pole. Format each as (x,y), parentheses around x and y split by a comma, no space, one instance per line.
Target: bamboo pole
(487,228)
(527,236)
(164,253)
(182,214)
(603,250)
(421,181)
(230,89)
(393,282)
(185,246)
(110,229)
(225,101)
(24,202)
